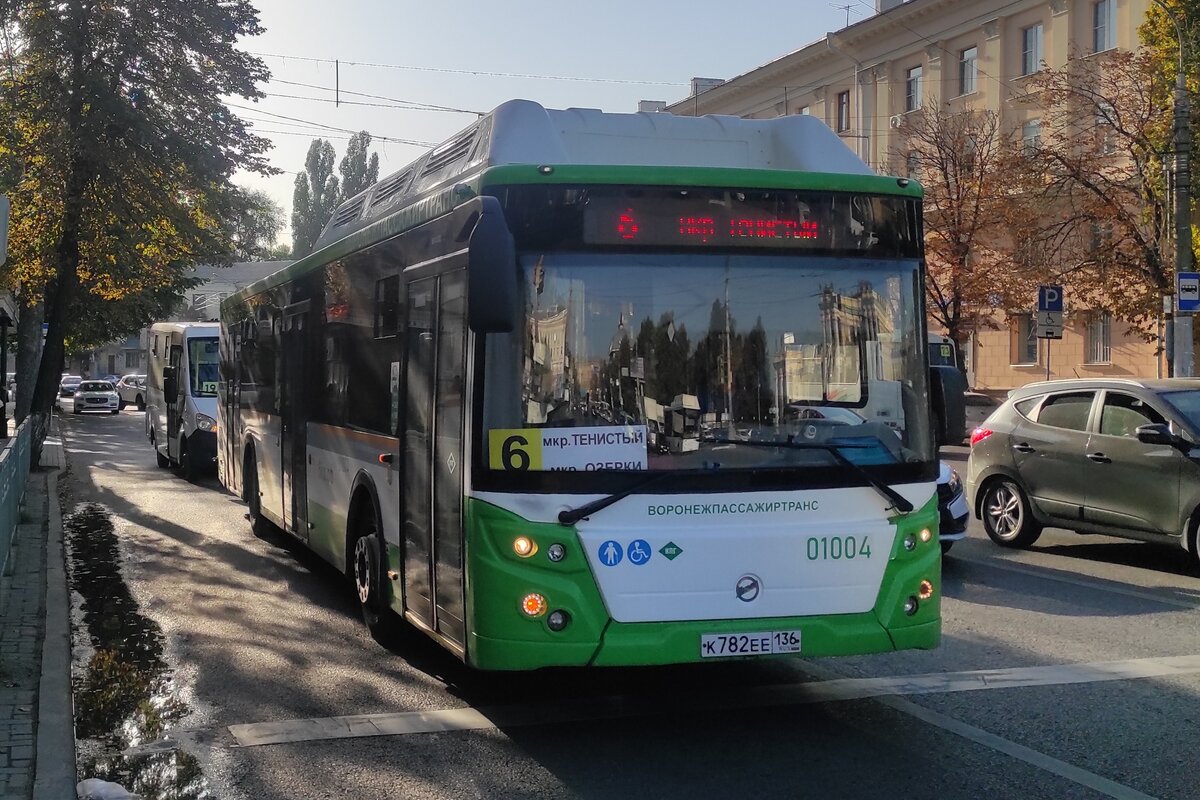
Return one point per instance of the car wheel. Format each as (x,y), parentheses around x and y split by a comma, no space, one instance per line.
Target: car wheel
(121,405)
(367,563)
(76,410)
(1007,518)
(141,403)
(115,411)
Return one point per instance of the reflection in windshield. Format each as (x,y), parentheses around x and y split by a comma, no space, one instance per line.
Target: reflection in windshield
(696,354)
(1186,403)
(203,361)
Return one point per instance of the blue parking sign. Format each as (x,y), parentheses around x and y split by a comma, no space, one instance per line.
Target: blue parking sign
(1050,298)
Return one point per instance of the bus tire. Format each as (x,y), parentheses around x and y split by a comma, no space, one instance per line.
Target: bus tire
(259,524)
(163,461)
(187,465)
(366,567)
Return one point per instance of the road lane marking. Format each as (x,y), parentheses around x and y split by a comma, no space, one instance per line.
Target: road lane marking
(1091,780)
(1041,572)
(619,707)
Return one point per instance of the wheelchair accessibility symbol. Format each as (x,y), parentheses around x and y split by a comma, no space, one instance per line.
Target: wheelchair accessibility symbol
(639,552)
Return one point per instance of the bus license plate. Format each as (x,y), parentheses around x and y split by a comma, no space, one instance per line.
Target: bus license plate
(729,645)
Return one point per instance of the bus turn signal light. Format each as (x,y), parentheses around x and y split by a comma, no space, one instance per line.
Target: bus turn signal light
(926,589)
(533,604)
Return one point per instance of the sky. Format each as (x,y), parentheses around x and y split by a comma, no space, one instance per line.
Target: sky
(621,52)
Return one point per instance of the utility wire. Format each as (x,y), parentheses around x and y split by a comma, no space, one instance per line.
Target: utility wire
(331,127)
(478,73)
(415,104)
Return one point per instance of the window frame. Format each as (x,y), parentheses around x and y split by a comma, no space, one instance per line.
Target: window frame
(1032,52)
(842,111)
(1104,33)
(1090,346)
(968,68)
(1030,144)
(913,78)
(1015,353)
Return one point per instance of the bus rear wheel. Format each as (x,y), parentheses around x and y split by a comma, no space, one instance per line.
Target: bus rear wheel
(367,568)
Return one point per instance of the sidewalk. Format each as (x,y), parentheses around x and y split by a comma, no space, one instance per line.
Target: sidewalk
(37,743)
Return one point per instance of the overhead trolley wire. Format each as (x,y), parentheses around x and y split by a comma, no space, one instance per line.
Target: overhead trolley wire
(395,139)
(475,72)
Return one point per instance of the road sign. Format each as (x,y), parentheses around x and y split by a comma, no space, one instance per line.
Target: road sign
(1049,324)
(1050,298)
(1187,290)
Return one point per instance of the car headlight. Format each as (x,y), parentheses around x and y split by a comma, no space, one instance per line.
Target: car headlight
(205,423)
(955,482)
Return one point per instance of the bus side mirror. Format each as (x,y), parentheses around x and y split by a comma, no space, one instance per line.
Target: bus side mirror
(170,386)
(491,272)
(947,396)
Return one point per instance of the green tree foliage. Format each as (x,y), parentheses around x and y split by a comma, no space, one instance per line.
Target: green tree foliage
(358,167)
(124,151)
(253,231)
(315,198)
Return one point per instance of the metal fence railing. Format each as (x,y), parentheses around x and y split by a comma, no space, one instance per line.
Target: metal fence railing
(14,471)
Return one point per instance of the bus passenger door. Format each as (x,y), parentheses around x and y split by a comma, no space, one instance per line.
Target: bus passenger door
(171,401)
(435,335)
(293,415)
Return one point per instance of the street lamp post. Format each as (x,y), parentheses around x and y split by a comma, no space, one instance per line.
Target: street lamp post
(1183,351)
(5,324)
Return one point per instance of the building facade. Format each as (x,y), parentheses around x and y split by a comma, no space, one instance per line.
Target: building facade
(963,54)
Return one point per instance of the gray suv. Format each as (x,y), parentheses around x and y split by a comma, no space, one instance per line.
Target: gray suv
(1114,457)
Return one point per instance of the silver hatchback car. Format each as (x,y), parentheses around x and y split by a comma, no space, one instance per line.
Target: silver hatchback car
(1113,457)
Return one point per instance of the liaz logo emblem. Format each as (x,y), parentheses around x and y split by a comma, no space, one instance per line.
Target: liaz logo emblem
(748,588)
(670,550)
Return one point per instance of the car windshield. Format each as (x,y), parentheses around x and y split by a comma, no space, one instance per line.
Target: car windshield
(202,366)
(1187,403)
(95,386)
(667,362)
(71,380)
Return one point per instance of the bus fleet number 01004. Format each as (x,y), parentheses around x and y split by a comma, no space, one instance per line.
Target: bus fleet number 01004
(834,548)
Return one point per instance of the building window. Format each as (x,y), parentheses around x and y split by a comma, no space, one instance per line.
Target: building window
(1023,343)
(912,89)
(966,70)
(1031,135)
(1103,25)
(1031,49)
(1106,118)
(804,111)
(131,359)
(843,111)
(1098,344)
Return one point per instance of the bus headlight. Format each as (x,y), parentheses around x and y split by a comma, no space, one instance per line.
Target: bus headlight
(205,423)
(556,552)
(524,546)
(911,605)
(926,534)
(557,620)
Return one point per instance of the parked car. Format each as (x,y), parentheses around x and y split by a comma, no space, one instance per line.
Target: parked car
(132,391)
(66,388)
(95,396)
(1114,457)
(952,506)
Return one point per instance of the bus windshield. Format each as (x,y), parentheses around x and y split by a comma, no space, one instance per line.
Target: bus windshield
(677,362)
(203,361)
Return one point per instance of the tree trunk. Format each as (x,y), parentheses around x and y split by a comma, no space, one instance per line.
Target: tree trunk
(29,353)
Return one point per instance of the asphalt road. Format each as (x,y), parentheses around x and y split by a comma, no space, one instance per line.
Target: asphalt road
(1070,671)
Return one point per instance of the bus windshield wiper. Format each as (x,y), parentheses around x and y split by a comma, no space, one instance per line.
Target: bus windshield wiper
(897,500)
(569,516)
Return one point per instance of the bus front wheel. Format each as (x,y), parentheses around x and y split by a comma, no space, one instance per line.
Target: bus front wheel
(258,523)
(367,566)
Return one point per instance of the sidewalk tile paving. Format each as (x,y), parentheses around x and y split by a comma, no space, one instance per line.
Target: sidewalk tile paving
(22,630)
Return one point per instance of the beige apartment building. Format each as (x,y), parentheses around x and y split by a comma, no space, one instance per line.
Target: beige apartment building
(863,79)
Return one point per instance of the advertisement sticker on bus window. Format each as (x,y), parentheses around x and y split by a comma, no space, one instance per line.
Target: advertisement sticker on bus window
(610,447)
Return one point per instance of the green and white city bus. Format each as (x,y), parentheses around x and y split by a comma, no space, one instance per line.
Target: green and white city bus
(578,388)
